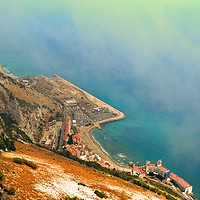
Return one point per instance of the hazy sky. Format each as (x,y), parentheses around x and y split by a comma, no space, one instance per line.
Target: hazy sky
(155,42)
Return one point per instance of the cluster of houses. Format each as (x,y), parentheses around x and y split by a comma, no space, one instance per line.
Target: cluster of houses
(49,136)
(77,148)
(159,170)
(72,143)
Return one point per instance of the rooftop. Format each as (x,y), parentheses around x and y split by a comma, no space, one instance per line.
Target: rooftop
(163,168)
(179,180)
(72,150)
(76,135)
(67,126)
(152,164)
(67,117)
(138,169)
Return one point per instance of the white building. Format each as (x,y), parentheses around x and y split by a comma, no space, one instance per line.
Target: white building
(181,183)
(158,169)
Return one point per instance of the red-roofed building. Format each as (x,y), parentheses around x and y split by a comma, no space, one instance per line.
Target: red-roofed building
(152,164)
(157,168)
(163,171)
(67,128)
(73,151)
(67,125)
(137,170)
(181,183)
(150,167)
(76,138)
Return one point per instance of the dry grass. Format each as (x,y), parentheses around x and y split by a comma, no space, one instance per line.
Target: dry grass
(57,177)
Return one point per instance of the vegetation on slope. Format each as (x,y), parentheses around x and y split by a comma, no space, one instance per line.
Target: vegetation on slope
(22,161)
(100,194)
(146,184)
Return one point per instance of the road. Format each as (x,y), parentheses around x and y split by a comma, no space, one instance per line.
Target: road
(62,132)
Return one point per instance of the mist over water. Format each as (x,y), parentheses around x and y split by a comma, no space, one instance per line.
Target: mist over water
(140,56)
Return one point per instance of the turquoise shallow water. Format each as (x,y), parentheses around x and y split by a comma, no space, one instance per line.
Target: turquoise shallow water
(141,57)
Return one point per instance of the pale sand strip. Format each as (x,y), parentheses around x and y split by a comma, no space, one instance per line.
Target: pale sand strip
(88,140)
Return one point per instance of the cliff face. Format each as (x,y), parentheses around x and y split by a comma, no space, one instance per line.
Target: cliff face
(23,111)
(10,118)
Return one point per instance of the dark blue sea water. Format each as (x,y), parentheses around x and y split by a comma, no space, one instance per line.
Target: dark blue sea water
(144,63)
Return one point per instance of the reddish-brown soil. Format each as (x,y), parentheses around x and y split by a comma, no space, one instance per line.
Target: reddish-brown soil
(57,177)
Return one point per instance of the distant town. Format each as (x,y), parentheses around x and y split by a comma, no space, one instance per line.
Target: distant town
(66,136)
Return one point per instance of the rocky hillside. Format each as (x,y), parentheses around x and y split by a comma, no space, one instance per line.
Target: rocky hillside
(24,110)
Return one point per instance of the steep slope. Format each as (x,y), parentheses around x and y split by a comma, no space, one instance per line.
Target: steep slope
(57,177)
(23,111)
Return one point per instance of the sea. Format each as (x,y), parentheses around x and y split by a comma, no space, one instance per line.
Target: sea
(140,58)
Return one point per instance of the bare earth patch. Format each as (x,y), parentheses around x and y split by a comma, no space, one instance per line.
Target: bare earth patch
(57,177)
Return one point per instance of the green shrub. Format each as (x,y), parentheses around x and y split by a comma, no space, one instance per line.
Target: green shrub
(1,186)
(26,162)
(99,194)
(18,160)
(11,191)
(1,175)
(170,197)
(83,184)
(147,184)
(30,164)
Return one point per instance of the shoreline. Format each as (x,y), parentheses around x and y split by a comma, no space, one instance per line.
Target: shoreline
(95,146)
(88,138)
(119,115)
(87,132)
(91,143)
(3,71)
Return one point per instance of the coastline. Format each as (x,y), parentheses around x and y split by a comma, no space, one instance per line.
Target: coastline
(119,115)
(86,131)
(3,71)
(94,145)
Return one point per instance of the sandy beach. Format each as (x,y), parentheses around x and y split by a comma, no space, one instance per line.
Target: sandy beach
(88,140)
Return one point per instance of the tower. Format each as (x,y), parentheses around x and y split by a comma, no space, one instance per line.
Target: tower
(148,163)
(159,163)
